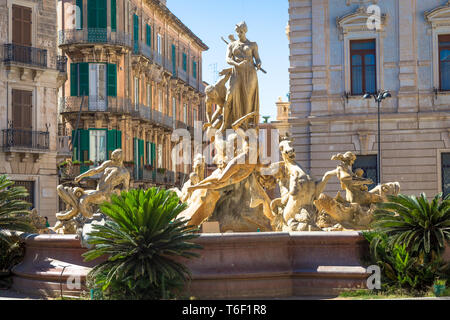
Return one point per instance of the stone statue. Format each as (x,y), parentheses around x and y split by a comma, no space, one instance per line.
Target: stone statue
(80,201)
(222,184)
(195,177)
(355,210)
(243,95)
(294,210)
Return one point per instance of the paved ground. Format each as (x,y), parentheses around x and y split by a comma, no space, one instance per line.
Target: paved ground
(12,295)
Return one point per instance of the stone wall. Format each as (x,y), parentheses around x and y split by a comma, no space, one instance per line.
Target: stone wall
(325,120)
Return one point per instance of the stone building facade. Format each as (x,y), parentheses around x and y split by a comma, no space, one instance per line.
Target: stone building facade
(135,76)
(336,56)
(30,73)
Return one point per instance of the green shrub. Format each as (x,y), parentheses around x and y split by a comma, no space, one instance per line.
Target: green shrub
(409,237)
(140,240)
(422,226)
(13,210)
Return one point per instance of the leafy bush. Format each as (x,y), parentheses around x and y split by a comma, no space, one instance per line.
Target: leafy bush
(409,237)
(13,210)
(422,226)
(140,240)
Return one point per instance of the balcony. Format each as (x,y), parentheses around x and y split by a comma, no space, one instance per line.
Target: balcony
(61,64)
(23,55)
(193,82)
(158,58)
(95,104)
(146,113)
(63,147)
(182,74)
(17,139)
(182,125)
(144,50)
(94,35)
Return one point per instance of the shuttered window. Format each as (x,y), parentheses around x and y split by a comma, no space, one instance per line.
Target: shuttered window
(148,33)
(174,59)
(79,79)
(184,61)
(136,33)
(113,141)
(112,80)
(194,69)
(97,14)
(22,109)
(21,25)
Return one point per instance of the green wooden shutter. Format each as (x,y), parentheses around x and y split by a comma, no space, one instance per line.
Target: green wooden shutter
(84,79)
(141,158)
(112,80)
(92,14)
(119,139)
(113,15)
(101,14)
(174,59)
(111,142)
(79,14)
(136,32)
(148,35)
(74,79)
(184,61)
(153,154)
(84,149)
(194,69)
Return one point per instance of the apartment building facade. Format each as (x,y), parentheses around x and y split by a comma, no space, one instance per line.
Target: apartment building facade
(30,73)
(342,49)
(135,76)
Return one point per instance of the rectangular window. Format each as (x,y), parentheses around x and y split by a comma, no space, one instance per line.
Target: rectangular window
(29,185)
(97,87)
(149,95)
(174,111)
(160,156)
(363,66)
(159,44)
(97,146)
(445,173)
(185,113)
(79,15)
(136,93)
(160,101)
(369,165)
(444,62)
(22,115)
(174,59)
(21,26)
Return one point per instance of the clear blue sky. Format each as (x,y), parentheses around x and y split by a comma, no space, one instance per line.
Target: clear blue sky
(266,21)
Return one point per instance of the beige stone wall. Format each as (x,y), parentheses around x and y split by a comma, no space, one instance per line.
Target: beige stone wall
(29,164)
(324,121)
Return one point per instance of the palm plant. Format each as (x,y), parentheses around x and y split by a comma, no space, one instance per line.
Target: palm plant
(13,210)
(422,226)
(141,238)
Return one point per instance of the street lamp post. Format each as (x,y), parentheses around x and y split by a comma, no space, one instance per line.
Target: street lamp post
(378,97)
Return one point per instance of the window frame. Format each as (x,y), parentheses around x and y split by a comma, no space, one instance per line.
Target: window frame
(440,48)
(363,53)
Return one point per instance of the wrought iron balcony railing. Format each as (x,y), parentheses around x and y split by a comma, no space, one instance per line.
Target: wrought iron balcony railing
(95,104)
(25,139)
(94,35)
(13,53)
(61,64)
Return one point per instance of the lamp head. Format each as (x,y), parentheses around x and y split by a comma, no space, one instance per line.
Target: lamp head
(387,94)
(367,96)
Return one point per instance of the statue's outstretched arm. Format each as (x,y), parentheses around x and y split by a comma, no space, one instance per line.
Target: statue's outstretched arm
(93,171)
